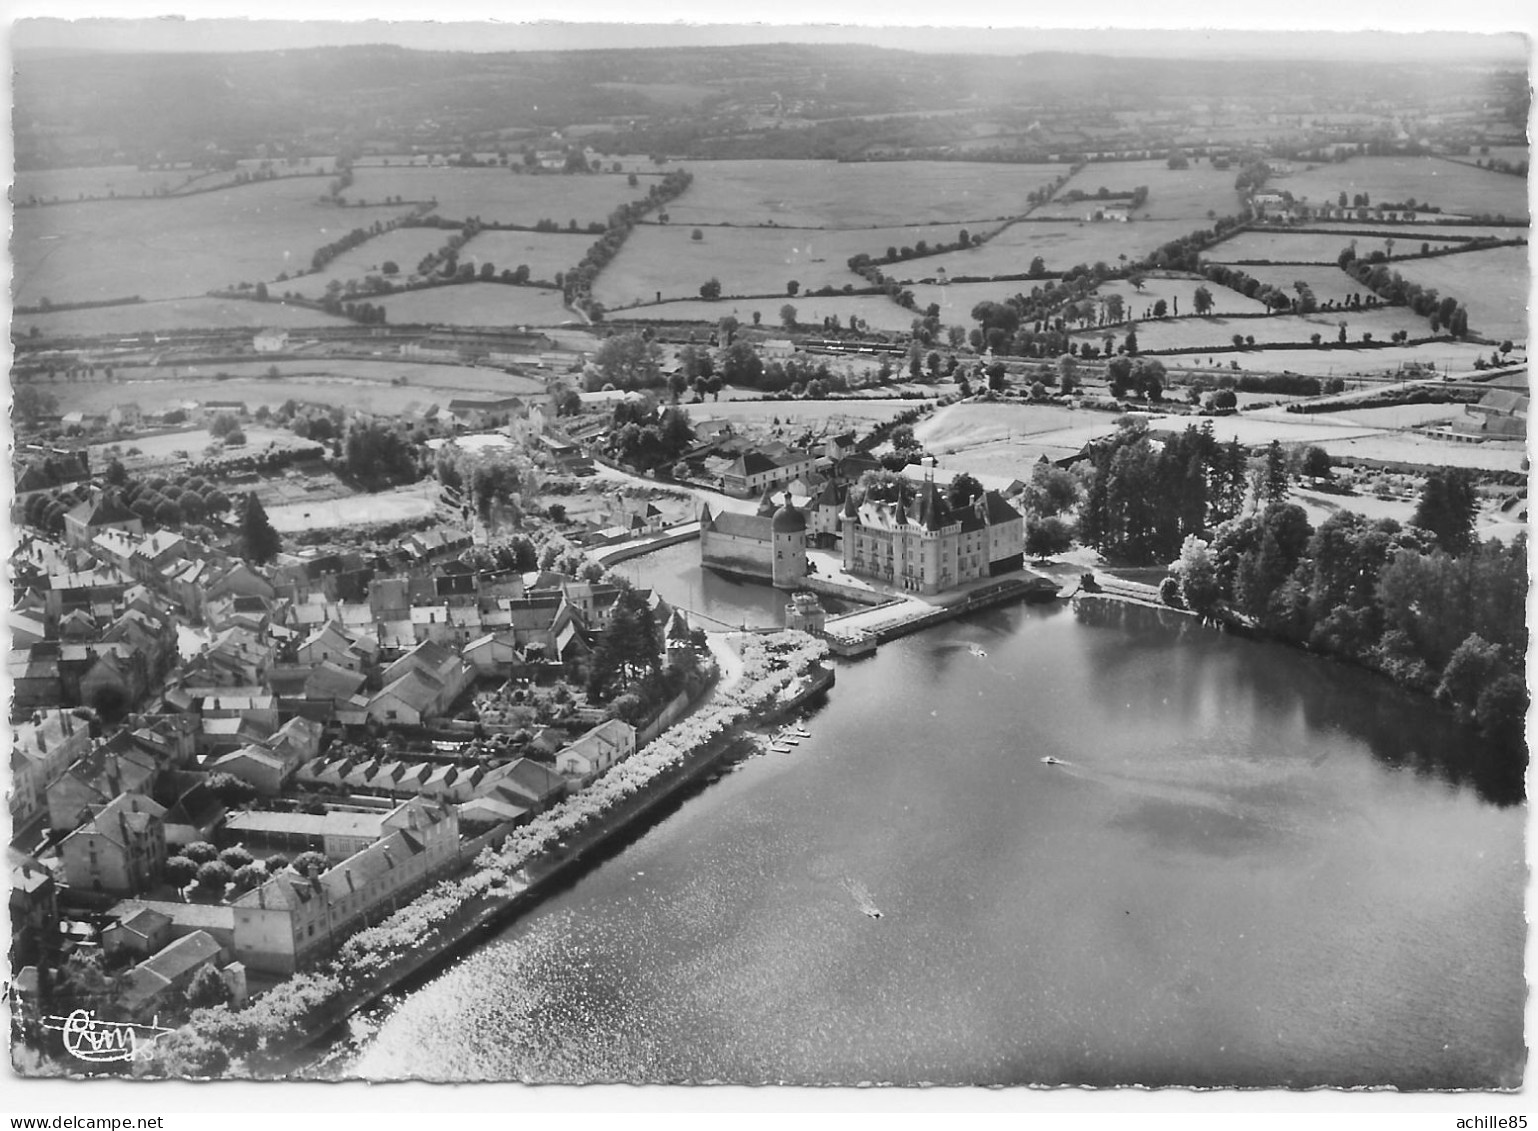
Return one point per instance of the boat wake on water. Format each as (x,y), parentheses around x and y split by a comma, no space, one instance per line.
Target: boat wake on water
(862,898)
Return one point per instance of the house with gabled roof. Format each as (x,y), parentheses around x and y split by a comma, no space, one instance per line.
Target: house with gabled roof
(291,921)
(43,747)
(143,931)
(606,744)
(95,780)
(104,512)
(147,986)
(120,848)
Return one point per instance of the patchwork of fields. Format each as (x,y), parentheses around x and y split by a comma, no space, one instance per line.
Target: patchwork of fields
(1326,282)
(747,261)
(173,247)
(403,246)
(1061,245)
(545,254)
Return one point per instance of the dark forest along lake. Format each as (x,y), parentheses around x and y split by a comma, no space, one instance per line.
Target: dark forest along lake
(1250,868)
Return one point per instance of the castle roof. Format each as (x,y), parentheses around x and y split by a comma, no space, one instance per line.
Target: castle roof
(788,519)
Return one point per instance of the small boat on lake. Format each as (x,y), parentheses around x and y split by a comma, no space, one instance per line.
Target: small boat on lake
(1051,761)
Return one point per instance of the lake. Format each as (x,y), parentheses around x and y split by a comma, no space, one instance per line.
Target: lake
(1252,867)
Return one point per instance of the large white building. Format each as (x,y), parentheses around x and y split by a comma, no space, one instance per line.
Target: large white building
(933,546)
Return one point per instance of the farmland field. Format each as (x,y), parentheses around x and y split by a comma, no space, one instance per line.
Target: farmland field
(1492,284)
(497,195)
(158,449)
(346,384)
(1173,194)
(746,260)
(1366,361)
(1308,247)
(479,304)
(1409,235)
(1060,244)
(98,181)
(175,314)
(1217,332)
(1140,303)
(1326,282)
(405,246)
(172,248)
(1456,189)
(826,194)
(546,254)
(881,313)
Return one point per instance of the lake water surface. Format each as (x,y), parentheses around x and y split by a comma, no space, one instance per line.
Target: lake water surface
(1252,867)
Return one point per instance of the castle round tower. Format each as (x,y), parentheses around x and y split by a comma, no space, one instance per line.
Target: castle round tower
(789,536)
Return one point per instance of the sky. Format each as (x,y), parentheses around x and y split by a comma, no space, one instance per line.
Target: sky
(542,24)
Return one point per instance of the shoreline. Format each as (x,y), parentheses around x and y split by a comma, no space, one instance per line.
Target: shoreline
(496,887)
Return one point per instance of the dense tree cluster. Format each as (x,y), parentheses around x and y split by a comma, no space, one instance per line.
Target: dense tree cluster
(377,455)
(646,438)
(1144,499)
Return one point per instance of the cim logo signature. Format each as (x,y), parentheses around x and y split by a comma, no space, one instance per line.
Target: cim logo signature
(101,1042)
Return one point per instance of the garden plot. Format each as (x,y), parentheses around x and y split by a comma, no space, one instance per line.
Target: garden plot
(177,247)
(1460,190)
(498,195)
(478,304)
(174,314)
(1307,247)
(830,194)
(404,247)
(545,254)
(1061,245)
(746,261)
(878,312)
(1493,285)
(1173,194)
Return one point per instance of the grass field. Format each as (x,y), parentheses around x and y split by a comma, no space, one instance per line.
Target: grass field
(479,304)
(154,450)
(746,260)
(830,417)
(544,253)
(1408,236)
(405,246)
(499,195)
(175,314)
(1454,355)
(1309,247)
(1173,194)
(172,248)
(98,180)
(826,194)
(355,510)
(1217,332)
(1326,282)
(1140,303)
(1454,188)
(1061,246)
(346,384)
(1493,284)
(879,312)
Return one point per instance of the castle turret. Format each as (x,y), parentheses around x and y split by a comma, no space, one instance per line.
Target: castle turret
(789,536)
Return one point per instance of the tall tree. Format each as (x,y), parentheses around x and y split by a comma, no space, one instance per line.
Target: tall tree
(1447,508)
(260,541)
